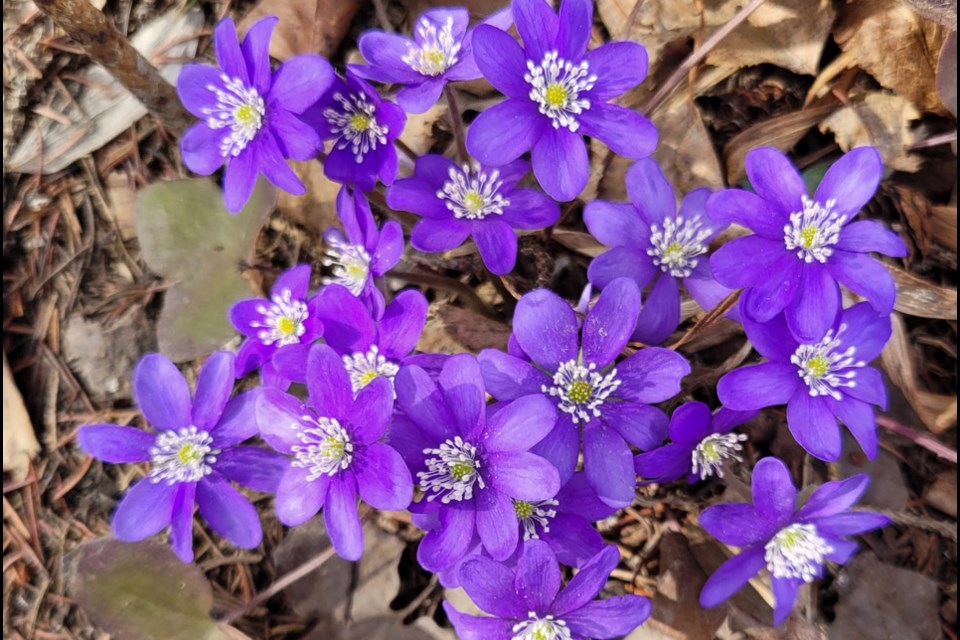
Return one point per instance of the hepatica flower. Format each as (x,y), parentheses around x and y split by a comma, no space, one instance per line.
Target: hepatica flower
(335,450)
(528,603)
(250,116)
(821,382)
(470,467)
(792,544)
(457,202)
(439,52)
(362,127)
(655,244)
(193,456)
(287,319)
(804,246)
(364,252)
(557,92)
(604,401)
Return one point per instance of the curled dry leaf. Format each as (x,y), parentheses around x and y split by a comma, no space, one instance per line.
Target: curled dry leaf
(105,109)
(306,26)
(19,441)
(896,46)
(882,120)
(917,297)
(315,210)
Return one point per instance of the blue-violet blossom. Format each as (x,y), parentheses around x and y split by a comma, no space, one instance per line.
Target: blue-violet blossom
(335,451)
(250,114)
(457,202)
(528,603)
(804,246)
(606,402)
(557,92)
(654,244)
(193,456)
(793,544)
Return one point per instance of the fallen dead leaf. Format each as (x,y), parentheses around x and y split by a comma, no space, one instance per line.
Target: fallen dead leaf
(19,440)
(896,46)
(451,329)
(879,119)
(880,601)
(306,26)
(122,199)
(316,210)
(105,109)
(947,70)
(942,493)
(917,297)
(418,134)
(943,225)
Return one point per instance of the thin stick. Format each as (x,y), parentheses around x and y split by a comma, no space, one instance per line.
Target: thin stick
(933,141)
(928,443)
(104,44)
(456,122)
(694,58)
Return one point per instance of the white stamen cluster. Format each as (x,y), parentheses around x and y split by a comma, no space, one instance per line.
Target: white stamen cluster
(581,389)
(824,367)
(545,628)
(708,457)
(556,85)
(282,320)
(350,262)
(356,124)
(535,514)
(437,51)
(240,109)
(678,245)
(182,456)
(472,193)
(452,471)
(364,367)
(813,231)
(797,551)
(326,446)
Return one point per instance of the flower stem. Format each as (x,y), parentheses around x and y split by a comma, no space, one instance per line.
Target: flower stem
(456,122)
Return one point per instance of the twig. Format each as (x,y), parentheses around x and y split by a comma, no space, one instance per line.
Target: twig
(456,122)
(928,443)
(104,44)
(933,141)
(907,519)
(694,58)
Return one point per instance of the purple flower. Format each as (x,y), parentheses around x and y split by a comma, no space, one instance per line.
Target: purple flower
(287,321)
(701,443)
(470,466)
(654,244)
(194,455)
(472,200)
(439,52)
(557,92)
(363,128)
(364,253)
(529,604)
(821,382)
(250,114)
(793,544)
(575,368)
(803,246)
(335,449)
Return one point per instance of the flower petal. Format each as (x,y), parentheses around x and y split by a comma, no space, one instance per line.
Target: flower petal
(784,595)
(813,425)
(328,383)
(193,88)
(341,518)
(227,45)
(299,499)
(383,478)
(608,463)
(145,510)
(239,179)
(572,539)
(666,464)
(660,314)
(559,160)
(501,60)
(611,321)
(859,419)
(522,475)
(641,425)
(256,52)
(252,467)
(749,261)
(561,447)
(384,53)
(537,25)
(866,277)
(497,243)
(520,424)
(545,325)
(462,387)
(181,525)
(214,386)
(506,377)
(850,523)
(200,148)
(622,262)
(421,400)
(389,248)
(732,575)
(491,586)
(772,339)
(476,627)
(624,131)
(610,618)
(115,444)
(775,179)
(851,181)
(834,497)
(758,386)
(730,206)
(814,308)
(538,576)
(228,512)
(867,236)
(275,168)
(650,191)
(162,393)
(651,375)
(736,524)
(587,583)
(619,67)
(438,235)
(497,524)
(774,494)
(530,209)
(504,132)
(237,422)
(300,82)
(444,546)
(617,224)
(296,139)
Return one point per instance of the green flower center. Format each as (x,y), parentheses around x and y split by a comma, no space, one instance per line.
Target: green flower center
(360,122)
(461,470)
(580,391)
(523,508)
(473,201)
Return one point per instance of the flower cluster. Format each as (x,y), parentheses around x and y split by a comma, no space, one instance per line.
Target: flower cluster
(507,459)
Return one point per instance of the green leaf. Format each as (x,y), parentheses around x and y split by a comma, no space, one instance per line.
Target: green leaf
(141,591)
(187,236)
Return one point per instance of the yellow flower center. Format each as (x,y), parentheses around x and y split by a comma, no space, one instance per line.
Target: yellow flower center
(808,236)
(473,201)
(333,447)
(189,453)
(360,122)
(556,94)
(818,366)
(523,508)
(246,115)
(580,391)
(286,326)
(366,378)
(435,57)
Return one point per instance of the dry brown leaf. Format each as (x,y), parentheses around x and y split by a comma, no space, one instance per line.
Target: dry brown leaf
(937,412)
(917,297)
(579,242)
(451,329)
(418,132)
(897,47)
(19,441)
(306,26)
(943,225)
(942,493)
(316,210)
(882,120)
